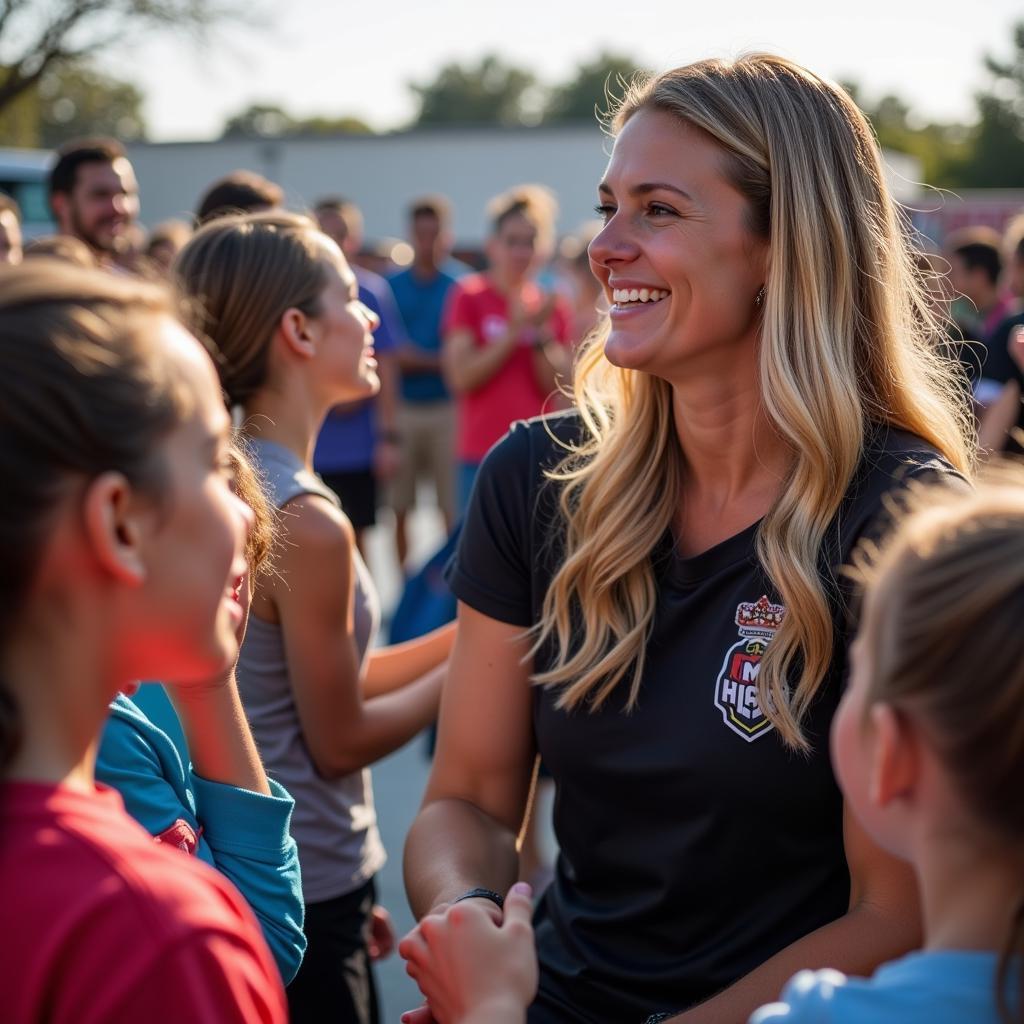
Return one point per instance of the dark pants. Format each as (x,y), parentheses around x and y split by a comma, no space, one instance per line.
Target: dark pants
(335,982)
(357,490)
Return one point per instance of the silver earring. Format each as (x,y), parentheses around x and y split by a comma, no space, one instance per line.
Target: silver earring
(759,298)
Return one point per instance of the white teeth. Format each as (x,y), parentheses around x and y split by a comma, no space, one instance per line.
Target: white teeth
(621,295)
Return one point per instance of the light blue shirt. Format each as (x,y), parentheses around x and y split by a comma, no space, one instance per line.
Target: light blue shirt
(243,835)
(946,987)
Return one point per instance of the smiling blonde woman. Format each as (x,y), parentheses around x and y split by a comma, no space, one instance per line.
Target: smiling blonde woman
(648,585)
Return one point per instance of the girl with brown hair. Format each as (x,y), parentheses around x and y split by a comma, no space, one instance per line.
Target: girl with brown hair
(122,549)
(281,305)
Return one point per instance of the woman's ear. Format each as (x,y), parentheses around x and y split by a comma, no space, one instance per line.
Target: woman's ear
(894,765)
(298,333)
(116,523)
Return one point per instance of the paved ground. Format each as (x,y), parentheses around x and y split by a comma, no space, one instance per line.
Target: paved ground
(398,780)
(398,783)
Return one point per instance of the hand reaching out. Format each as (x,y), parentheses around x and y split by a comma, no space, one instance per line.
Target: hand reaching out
(470,968)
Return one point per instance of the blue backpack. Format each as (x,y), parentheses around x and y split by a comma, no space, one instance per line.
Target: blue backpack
(426,602)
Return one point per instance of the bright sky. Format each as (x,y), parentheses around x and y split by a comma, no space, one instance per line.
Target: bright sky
(326,56)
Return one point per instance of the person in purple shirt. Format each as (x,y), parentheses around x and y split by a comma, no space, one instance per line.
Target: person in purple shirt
(358,445)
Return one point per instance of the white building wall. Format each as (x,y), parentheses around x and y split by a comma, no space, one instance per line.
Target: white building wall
(383,173)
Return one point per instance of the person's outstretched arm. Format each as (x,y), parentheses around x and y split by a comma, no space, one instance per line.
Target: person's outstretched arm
(314,595)
(465,834)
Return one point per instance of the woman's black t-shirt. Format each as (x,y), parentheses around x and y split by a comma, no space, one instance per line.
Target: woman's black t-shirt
(693,843)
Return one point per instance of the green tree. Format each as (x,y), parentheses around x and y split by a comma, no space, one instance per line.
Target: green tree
(588,92)
(995,155)
(344,125)
(259,120)
(39,37)
(80,101)
(936,146)
(491,92)
(267,120)
(73,101)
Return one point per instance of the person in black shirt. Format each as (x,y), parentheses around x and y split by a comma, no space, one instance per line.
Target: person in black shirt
(1002,427)
(663,566)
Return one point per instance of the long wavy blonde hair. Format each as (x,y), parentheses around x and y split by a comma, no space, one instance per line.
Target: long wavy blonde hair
(844,344)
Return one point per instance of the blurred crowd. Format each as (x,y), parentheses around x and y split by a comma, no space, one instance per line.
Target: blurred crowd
(437,413)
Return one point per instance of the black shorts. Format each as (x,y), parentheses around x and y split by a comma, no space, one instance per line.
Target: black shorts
(357,489)
(335,983)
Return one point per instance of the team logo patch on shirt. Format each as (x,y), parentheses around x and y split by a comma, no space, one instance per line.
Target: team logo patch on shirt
(736,687)
(182,835)
(493,327)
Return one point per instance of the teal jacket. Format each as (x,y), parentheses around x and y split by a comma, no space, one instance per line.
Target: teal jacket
(244,835)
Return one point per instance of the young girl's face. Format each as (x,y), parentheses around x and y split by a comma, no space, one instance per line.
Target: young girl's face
(189,603)
(345,329)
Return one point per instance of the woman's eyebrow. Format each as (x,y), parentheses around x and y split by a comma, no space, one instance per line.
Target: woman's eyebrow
(647,187)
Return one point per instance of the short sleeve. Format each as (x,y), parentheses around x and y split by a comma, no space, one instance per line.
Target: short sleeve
(871,525)
(808,998)
(923,469)
(458,311)
(491,568)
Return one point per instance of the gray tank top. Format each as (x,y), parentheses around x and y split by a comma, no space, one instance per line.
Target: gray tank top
(334,822)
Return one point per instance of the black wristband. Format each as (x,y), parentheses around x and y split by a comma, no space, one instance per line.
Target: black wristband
(484,894)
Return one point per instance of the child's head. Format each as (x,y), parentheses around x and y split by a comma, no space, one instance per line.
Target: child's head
(273,291)
(929,738)
(117,490)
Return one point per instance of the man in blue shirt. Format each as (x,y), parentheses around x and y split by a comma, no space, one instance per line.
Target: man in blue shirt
(426,424)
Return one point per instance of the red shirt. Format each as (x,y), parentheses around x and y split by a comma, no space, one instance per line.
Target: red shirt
(484,415)
(102,925)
